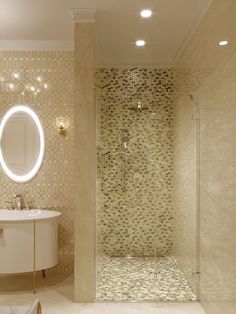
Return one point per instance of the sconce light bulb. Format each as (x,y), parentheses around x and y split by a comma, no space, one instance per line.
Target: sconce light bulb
(39,78)
(62,123)
(45,86)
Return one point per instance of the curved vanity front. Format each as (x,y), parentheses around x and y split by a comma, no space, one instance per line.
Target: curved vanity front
(28,240)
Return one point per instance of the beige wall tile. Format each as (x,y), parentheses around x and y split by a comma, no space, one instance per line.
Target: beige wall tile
(216,96)
(84,163)
(53,187)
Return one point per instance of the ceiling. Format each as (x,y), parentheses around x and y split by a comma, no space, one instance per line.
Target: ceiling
(47,24)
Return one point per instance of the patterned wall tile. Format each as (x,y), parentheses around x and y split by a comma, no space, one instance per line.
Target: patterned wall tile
(53,186)
(134,210)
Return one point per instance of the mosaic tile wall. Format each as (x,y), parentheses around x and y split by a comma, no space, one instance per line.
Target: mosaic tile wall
(134,161)
(53,186)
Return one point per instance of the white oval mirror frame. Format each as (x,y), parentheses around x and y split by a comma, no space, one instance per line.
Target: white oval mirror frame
(29,176)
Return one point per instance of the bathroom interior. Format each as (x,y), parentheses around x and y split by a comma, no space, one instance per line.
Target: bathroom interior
(118,156)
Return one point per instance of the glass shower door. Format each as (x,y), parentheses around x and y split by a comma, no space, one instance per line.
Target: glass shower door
(135,168)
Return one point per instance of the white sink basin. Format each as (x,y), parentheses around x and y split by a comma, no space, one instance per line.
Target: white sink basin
(33,214)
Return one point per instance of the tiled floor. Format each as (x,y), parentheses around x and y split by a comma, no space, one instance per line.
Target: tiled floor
(141,279)
(56,296)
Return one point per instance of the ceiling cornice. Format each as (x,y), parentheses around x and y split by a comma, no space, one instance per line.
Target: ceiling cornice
(83,15)
(190,34)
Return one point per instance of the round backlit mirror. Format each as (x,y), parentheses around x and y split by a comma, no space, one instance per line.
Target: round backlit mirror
(21,144)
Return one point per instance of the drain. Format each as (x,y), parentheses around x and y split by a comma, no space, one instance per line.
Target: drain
(155,276)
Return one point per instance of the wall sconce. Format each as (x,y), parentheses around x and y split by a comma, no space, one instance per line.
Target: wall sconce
(63,124)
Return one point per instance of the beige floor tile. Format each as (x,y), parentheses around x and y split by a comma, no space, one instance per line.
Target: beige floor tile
(56,296)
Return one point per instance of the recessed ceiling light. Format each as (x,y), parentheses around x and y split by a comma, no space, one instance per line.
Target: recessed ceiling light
(146,13)
(223,43)
(140,43)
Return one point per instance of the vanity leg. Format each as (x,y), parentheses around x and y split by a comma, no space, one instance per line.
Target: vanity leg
(44,273)
(34,261)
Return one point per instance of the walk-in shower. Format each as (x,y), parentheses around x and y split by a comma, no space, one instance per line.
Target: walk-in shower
(135,215)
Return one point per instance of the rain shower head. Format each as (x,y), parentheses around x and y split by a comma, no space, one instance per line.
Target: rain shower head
(138,108)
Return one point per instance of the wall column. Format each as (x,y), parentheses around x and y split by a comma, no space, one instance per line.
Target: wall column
(84,223)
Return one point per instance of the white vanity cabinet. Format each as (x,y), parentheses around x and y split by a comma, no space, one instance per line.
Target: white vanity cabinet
(28,240)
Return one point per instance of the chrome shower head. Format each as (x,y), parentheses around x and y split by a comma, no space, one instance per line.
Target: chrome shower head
(125,142)
(138,108)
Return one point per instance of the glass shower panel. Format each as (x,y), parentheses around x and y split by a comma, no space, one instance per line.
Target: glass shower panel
(135,216)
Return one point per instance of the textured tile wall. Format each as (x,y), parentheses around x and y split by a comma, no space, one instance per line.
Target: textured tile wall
(53,186)
(134,208)
(215,93)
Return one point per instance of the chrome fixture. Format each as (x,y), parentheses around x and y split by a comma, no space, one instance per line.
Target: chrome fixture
(125,142)
(137,177)
(138,108)
(18,202)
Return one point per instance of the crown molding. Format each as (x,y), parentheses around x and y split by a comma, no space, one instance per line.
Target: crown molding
(36,45)
(83,15)
(190,34)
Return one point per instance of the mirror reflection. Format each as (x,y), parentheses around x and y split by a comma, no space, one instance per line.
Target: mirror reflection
(20,143)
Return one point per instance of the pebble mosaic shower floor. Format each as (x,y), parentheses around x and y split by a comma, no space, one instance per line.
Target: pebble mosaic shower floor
(141,279)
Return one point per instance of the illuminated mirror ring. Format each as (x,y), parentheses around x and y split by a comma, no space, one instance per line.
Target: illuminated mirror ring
(27,177)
